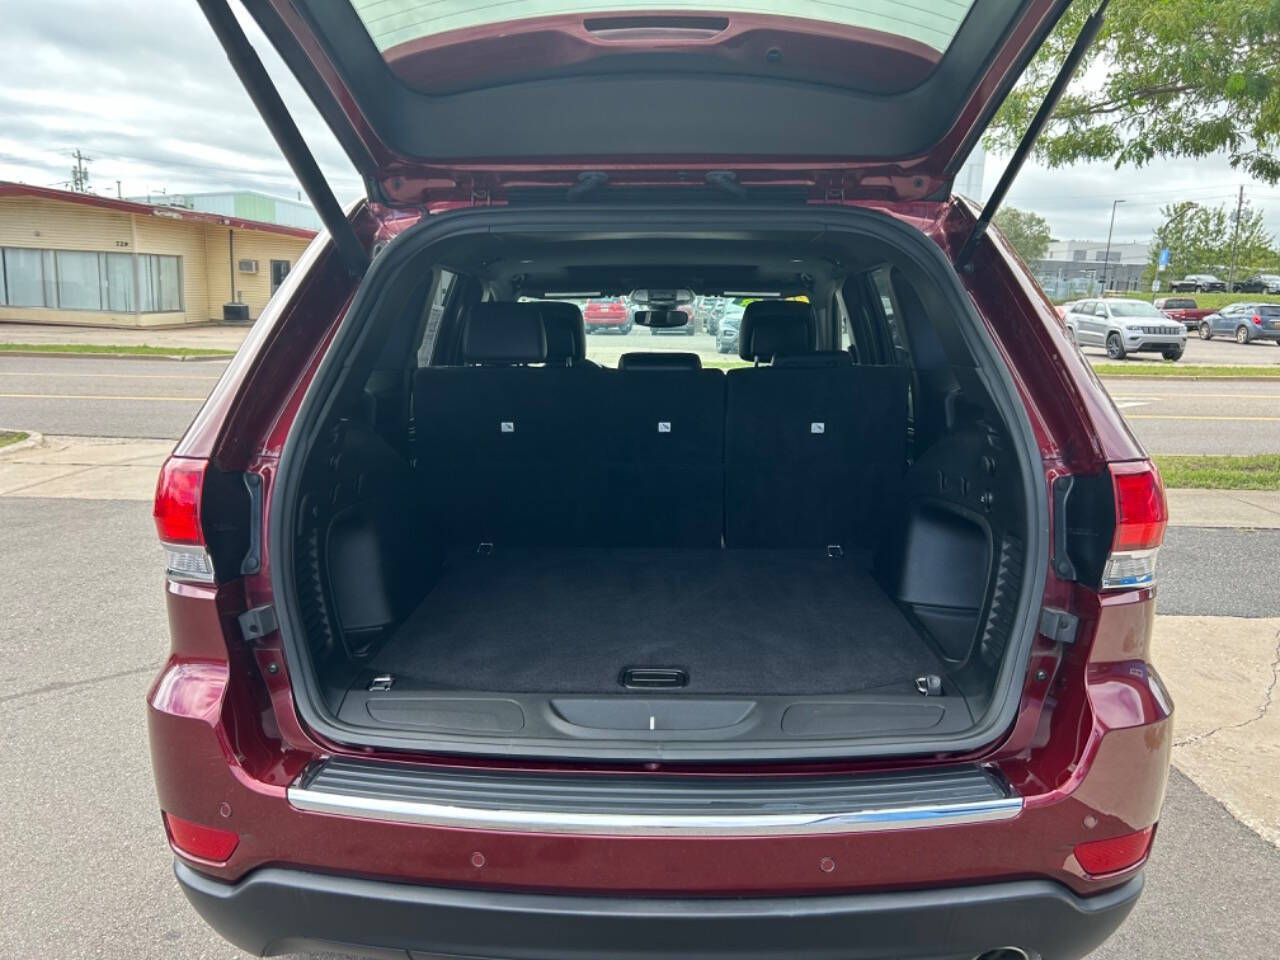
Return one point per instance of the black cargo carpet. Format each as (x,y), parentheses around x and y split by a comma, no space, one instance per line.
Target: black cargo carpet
(791,622)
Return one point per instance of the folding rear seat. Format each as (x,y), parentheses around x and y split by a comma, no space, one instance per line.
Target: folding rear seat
(815,445)
(660,424)
(501,444)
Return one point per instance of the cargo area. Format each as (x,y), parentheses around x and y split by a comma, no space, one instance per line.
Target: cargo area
(504,546)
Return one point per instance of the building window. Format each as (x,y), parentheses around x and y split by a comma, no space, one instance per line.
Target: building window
(279,270)
(159,283)
(87,280)
(1079,254)
(24,278)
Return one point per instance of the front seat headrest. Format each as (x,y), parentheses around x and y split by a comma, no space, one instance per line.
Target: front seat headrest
(773,327)
(566,333)
(656,360)
(504,333)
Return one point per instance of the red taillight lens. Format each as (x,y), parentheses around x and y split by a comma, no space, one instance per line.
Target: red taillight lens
(177,507)
(177,516)
(206,843)
(1141,511)
(1099,857)
(1257,319)
(1141,517)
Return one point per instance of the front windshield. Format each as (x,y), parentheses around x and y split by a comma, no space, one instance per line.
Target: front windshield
(1133,308)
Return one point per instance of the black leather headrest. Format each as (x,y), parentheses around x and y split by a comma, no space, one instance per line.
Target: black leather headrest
(818,358)
(773,327)
(504,333)
(657,360)
(566,334)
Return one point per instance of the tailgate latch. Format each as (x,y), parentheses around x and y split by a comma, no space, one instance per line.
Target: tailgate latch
(1058,625)
(258,622)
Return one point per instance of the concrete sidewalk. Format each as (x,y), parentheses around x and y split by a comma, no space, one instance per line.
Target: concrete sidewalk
(82,468)
(1253,509)
(211,337)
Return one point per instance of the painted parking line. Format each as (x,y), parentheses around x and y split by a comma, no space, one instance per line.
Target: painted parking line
(96,396)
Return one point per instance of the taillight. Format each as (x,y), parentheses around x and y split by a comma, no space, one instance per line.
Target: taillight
(1100,857)
(1257,319)
(1141,516)
(204,843)
(177,517)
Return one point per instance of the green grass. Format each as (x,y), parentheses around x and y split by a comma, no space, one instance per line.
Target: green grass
(1176,369)
(727,363)
(11,436)
(1260,472)
(114,350)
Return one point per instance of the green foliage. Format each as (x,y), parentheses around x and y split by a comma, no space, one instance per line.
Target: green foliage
(1201,240)
(1166,78)
(1026,231)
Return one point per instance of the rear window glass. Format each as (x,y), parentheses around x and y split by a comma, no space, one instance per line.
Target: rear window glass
(1124,308)
(392,23)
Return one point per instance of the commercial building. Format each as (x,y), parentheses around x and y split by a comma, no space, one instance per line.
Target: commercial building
(244,204)
(77,258)
(1080,267)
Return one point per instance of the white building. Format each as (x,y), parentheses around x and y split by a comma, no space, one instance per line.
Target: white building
(1132,252)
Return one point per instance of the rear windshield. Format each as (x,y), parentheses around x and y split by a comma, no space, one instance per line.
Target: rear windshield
(1124,308)
(1269,309)
(392,23)
(1179,304)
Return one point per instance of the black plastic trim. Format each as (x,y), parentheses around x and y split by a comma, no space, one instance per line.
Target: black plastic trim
(318,407)
(276,910)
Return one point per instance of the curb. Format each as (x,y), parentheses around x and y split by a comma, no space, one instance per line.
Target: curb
(180,358)
(33,439)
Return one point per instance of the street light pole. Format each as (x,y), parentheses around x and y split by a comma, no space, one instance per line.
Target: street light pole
(1106,267)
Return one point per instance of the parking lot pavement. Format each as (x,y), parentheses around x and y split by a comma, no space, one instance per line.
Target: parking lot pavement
(1217,351)
(1201,416)
(87,870)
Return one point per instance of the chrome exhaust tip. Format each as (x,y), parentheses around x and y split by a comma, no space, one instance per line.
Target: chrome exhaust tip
(1006,953)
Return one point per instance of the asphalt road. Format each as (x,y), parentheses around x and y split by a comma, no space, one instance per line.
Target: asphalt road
(87,870)
(1219,572)
(1216,351)
(107,398)
(157,398)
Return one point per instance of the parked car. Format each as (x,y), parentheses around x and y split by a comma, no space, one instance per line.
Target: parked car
(1123,326)
(727,337)
(1245,322)
(473,656)
(1198,283)
(1183,309)
(1259,283)
(607,314)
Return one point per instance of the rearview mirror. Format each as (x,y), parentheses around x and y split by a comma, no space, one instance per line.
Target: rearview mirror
(661,319)
(662,298)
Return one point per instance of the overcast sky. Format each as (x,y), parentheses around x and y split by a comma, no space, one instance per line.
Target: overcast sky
(144,89)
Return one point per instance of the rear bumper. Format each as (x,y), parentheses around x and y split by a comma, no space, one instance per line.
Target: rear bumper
(276,910)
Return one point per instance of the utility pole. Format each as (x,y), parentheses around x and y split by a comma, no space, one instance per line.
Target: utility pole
(80,173)
(1235,240)
(1106,266)
(119,192)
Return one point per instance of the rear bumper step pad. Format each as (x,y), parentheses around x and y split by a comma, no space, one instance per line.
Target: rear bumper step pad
(655,805)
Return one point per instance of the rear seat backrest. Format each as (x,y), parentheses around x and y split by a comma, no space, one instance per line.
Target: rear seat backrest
(499,443)
(813,450)
(661,440)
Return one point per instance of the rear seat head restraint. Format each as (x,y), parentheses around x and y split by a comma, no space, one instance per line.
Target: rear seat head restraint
(772,328)
(504,334)
(566,333)
(655,360)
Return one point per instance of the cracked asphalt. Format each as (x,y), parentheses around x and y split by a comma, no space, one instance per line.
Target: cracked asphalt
(82,633)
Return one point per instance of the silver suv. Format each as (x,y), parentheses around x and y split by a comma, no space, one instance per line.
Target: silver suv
(1122,327)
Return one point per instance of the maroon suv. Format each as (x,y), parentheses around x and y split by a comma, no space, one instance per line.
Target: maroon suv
(482,649)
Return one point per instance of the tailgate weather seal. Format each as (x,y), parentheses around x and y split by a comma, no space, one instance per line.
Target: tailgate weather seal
(654,806)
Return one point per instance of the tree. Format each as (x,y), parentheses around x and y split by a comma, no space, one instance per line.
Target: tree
(1026,231)
(1177,78)
(1200,238)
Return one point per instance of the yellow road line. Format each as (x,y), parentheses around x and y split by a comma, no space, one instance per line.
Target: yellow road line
(104,376)
(94,396)
(1153,416)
